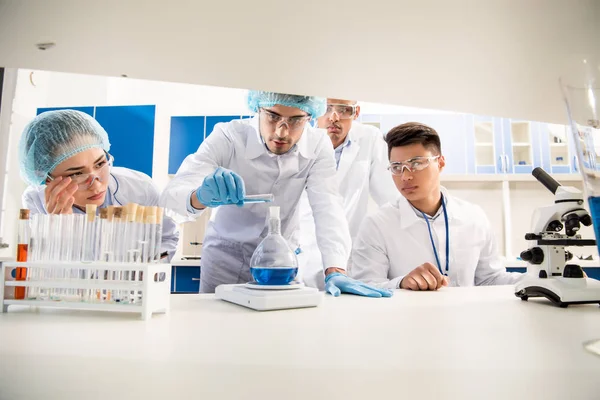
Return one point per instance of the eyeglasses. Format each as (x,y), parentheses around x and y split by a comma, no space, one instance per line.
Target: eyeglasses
(85,181)
(293,123)
(413,165)
(343,111)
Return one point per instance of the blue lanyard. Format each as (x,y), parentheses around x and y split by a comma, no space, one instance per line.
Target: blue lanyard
(437,258)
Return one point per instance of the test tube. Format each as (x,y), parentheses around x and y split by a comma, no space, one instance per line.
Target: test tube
(90,240)
(259,198)
(43,253)
(140,244)
(89,246)
(159,229)
(150,235)
(130,233)
(117,248)
(22,247)
(118,234)
(55,242)
(32,251)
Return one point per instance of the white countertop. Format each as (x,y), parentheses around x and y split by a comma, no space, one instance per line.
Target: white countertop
(459,343)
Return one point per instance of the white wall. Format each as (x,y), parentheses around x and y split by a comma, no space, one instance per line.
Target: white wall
(492,57)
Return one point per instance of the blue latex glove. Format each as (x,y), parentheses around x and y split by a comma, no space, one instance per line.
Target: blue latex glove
(220,188)
(337,283)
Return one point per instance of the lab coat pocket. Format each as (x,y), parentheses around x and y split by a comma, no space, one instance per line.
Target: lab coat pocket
(293,190)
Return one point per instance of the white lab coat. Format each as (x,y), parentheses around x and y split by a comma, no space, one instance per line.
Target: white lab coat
(125,186)
(234,232)
(394,241)
(362,171)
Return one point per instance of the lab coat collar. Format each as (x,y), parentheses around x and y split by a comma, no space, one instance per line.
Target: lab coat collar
(408,216)
(255,145)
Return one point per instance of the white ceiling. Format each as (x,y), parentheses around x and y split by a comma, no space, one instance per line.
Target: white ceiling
(493,57)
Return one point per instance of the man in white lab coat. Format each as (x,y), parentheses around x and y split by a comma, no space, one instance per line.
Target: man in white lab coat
(428,238)
(275,152)
(361,162)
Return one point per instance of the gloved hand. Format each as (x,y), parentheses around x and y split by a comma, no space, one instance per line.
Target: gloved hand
(220,188)
(337,283)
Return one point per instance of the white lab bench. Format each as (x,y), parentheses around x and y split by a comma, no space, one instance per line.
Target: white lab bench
(458,343)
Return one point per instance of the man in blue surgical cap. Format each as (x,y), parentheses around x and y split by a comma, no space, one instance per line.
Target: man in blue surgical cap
(275,152)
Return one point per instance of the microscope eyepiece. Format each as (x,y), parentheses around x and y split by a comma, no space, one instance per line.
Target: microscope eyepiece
(545,179)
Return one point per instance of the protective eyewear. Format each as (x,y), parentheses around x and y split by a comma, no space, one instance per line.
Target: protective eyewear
(85,181)
(343,111)
(413,165)
(293,123)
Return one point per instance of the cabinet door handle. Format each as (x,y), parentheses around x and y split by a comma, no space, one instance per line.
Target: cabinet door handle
(506,163)
(501,159)
(195,279)
(575,164)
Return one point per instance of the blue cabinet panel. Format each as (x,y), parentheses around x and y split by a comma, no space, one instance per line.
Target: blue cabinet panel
(173,272)
(131,133)
(591,272)
(88,110)
(211,121)
(187,133)
(186,280)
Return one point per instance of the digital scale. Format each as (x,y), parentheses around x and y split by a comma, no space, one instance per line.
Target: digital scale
(270,297)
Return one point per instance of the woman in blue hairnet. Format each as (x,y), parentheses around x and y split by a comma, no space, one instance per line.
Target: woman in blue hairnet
(64,157)
(275,152)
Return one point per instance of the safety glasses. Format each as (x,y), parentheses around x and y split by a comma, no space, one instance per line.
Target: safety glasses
(85,181)
(413,165)
(343,111)
(292,123)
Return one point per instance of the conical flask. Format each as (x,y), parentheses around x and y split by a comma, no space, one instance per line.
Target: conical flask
(273,261)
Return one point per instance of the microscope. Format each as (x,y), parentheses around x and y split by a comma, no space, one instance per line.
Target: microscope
(549,271)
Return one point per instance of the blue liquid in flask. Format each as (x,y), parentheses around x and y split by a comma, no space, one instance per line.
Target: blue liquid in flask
(273,276)
(594,203)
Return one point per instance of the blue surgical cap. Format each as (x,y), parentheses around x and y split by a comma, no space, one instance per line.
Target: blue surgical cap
(315,106)
(54,136)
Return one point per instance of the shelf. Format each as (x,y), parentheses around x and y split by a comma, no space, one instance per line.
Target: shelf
(79,284)
(76,305)
(558,145)
(521,144)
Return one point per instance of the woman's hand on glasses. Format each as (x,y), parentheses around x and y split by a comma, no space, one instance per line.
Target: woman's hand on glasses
(59,195)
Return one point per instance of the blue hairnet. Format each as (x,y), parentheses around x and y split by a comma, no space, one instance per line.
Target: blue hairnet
(315,106)
(54,136)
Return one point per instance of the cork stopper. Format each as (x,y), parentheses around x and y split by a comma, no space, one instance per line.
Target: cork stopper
(131,211)
(118,212)
(150,217)
(90,211)
(110,212)
(140,214)
(23,213)
(103,213)
(159,215)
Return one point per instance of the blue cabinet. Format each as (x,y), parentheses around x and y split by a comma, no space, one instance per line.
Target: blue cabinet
(504,146)
(131,133)
(558,150)
(130,130)
(185,279)
(188,133)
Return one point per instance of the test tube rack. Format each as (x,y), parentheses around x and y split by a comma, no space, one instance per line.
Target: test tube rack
(153,286)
